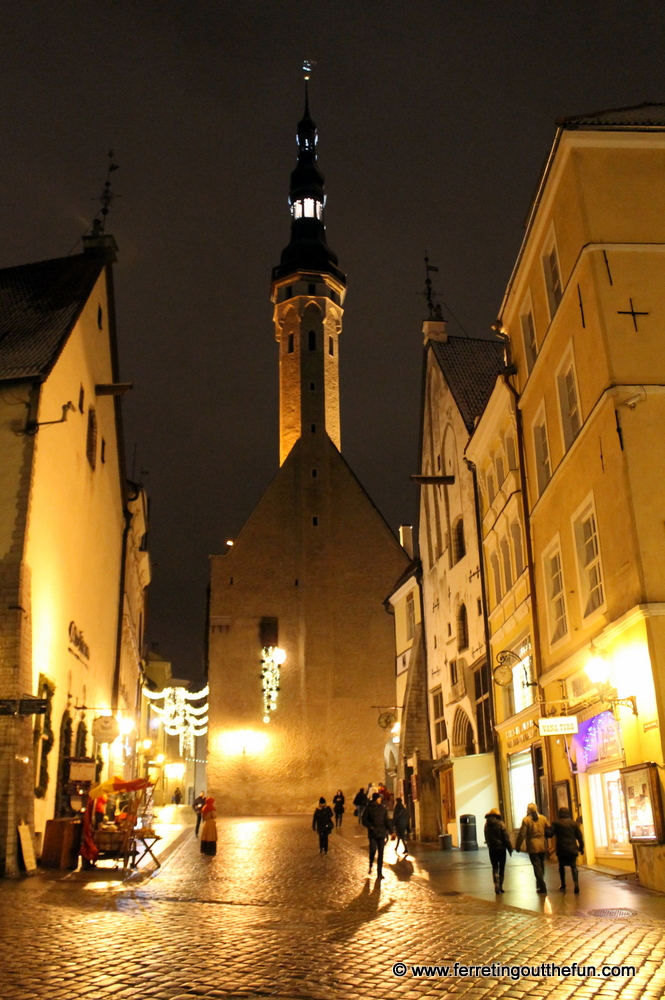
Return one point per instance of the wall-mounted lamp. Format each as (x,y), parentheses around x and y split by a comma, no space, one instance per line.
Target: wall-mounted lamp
(598,671)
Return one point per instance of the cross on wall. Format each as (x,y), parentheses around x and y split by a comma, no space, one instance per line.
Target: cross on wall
(631,312)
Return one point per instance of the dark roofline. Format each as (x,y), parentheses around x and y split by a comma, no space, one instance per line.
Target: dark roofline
(585,121)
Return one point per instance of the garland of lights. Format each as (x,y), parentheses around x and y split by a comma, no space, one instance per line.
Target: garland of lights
(179,717)
(271,659)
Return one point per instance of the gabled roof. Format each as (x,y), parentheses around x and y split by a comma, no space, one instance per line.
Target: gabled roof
(470,367)
(640,116)
(39,305)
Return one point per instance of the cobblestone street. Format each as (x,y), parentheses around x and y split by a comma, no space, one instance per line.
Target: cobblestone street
(269,916)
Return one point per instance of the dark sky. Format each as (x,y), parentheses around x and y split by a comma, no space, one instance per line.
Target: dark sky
(434,121)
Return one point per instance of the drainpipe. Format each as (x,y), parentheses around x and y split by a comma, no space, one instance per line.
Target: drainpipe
(486,627)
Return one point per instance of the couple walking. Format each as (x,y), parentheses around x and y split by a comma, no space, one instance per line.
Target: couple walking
(379,827)
(534,834)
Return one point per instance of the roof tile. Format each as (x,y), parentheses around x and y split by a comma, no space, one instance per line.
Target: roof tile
(470,367)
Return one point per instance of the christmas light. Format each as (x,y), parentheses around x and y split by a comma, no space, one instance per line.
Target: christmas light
(181,718)
(271,658)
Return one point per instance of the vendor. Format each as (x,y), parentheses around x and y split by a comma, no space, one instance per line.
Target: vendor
(100,810)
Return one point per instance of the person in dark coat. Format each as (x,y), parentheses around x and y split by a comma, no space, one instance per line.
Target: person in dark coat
(375,818)
(400,825)
(338,807)
(498,842)
(360,802)
(322,822)
(534,833)
(568,839)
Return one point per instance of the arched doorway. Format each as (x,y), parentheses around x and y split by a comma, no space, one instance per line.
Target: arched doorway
(463,742)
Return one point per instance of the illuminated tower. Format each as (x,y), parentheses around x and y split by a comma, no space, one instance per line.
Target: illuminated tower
(308,290)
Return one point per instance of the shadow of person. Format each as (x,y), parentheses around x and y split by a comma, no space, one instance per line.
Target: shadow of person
(403,869)
(362,909)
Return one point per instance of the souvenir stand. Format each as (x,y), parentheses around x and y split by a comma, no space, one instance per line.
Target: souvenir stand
(121,839)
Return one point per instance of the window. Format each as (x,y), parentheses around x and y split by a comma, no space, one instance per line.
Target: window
(410,616)
(510,452)
(313,428)
(100,317)
(440,733)
(331,346)
(483,714)
(311,387)
(81,398)
(529,336)
(480,605)
(312,340)
(555,597)
(462,628)
(463,742)
(314,473)
(516,535)
(491,492)
(288,292)
(542,455)
(459,545)
(91,440)
(588,556)
(522,691)
(500,474)
(315,521)
(570,410)
(290,346)
(454,673)
(507,567)
(496,573)
(102,453)
(311,289)
(552,279)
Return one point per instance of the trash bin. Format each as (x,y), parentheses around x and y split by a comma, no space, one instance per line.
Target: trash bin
(467,840)
(445,841)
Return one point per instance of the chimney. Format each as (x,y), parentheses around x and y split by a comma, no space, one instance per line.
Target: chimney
(406,539)
(100,244)
(435,329)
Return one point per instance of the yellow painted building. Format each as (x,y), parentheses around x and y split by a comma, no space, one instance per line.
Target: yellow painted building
(65,531)
(584,313)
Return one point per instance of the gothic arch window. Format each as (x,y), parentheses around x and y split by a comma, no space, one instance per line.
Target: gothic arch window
(462,628)
(459,544)
(463,742)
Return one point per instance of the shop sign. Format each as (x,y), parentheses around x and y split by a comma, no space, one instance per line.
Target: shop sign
(558,726)
(105,729)
(521,734)
(82,770)
(77,641)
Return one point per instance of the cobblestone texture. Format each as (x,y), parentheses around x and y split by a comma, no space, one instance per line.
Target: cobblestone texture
(270,917)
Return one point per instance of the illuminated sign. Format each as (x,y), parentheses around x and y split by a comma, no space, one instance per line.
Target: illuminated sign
(558,726)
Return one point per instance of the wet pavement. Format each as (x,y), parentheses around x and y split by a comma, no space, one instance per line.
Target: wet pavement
(270,917)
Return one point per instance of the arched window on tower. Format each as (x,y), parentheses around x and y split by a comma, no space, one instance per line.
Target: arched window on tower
(462,628)
(459,545)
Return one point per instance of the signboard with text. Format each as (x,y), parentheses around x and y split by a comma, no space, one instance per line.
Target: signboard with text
(559,725)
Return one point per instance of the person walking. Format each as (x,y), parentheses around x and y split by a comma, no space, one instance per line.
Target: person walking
(534,831)
(197,806)
(498,842)
(400,825)
(322,822)
(338,807)
(568,839)
(177,796)
(375,818)
(209,828)
(360,802)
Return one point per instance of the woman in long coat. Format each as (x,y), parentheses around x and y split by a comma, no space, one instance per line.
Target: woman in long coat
(569,843)
(338,806)
(208,828)
(498,842)
(533,834)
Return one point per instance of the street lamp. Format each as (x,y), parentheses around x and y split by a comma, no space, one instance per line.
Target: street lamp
(598,672)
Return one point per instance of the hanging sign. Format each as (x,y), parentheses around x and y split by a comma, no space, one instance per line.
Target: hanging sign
(105,729)
(559,725)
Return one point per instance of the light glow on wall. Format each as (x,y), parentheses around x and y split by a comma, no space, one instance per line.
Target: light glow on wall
(175,771)
(242,741)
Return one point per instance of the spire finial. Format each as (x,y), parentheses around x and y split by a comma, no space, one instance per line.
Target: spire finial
(107,197)
(434,309)
(307,67)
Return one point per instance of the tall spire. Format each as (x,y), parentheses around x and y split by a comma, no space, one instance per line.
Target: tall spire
(307,249)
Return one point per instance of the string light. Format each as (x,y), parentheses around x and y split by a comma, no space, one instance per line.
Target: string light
(181,718)
(272,658)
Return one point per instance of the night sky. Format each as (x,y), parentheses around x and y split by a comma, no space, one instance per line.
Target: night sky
(434,122)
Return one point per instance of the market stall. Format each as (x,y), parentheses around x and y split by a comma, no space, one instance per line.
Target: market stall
(126,837)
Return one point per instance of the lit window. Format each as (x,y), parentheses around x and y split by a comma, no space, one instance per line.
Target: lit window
(556,601)
(542,455)
(529,336)
(570,411)
(297,210)
(588,554)
(552,280)
(410,616)
(308,208)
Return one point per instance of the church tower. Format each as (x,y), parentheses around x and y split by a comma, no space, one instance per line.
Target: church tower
(308,290)
(300,648)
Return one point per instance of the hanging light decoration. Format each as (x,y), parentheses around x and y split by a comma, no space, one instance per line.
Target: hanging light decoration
(181,718)
(272,657)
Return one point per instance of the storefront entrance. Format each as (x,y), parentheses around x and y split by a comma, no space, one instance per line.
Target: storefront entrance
(522,784)
(608,812)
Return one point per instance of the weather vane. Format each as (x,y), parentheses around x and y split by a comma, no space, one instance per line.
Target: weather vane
(107,197)
(434,308)
(307,67)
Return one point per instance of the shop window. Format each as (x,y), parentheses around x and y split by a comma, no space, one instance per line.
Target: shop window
(555,597)
(608,812)
(570,410)
(91,439)
(462,628)
(529,337)
(410,615)
(522,784)
(440,733)
(542,448)
(588,557)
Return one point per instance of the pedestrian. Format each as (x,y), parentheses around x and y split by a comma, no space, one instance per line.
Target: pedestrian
(209,828)
(375,818)
(322,822)
(400,825)
(568,839)
(498,842)
(386,796)
(338,806)
(371,789)
(197,806)
(360,802)
(533,833)
(177,796)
